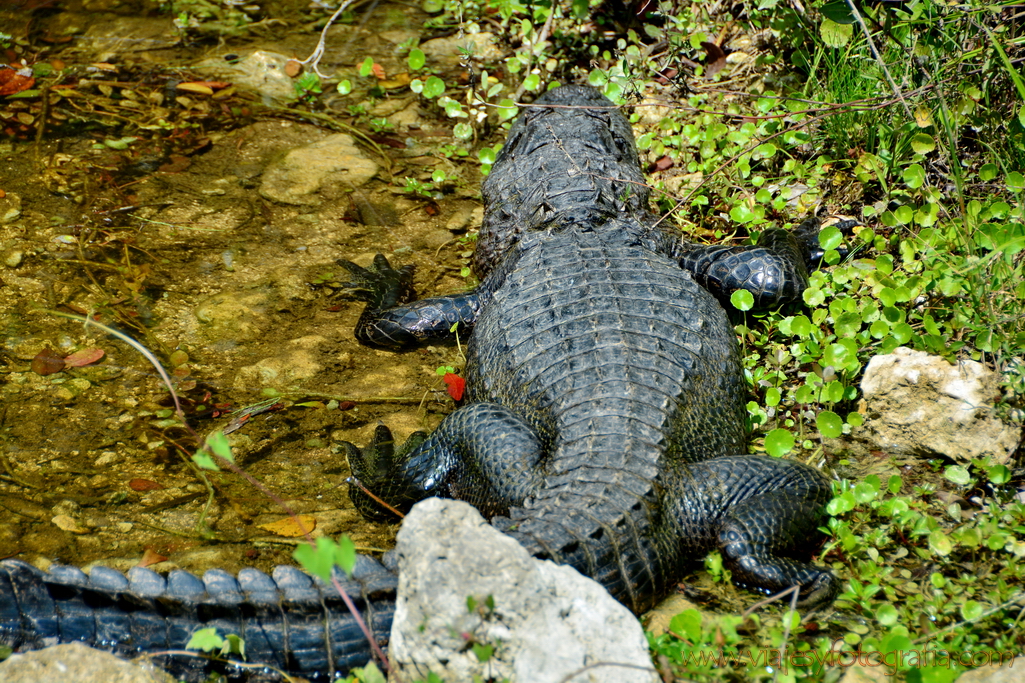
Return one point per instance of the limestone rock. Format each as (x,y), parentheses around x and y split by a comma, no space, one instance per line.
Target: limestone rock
(299,176)
(449,50)
(79,663)
(547,621)
(918,404)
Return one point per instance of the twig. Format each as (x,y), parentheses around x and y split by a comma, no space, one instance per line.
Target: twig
(379,501)
(313,61)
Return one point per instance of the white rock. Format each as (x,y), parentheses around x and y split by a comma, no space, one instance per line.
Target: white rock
(548,621)
(920,404)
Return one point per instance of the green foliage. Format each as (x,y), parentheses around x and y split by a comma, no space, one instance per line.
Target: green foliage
(209,640)
(320,559)
(216,445)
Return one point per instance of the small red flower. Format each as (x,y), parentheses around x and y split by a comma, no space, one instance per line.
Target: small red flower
(456,385)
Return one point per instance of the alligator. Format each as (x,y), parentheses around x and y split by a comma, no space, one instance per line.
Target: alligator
(603,425)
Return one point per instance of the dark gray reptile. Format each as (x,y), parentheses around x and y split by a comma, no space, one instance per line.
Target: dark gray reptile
(604,418)
(605,395)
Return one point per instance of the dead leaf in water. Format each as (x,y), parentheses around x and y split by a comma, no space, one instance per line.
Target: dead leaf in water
(47,362)
(150,557)
(12,82)
(83,357)
(289,527)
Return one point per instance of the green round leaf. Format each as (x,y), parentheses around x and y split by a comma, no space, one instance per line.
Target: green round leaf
(688,624)
(433,87)
(417,59)
(487,155)
(832,392)
(344,87)
(772,397)
(829,423)
(939,542)
(988,172)
(366,67)
(914,177)
(904,214)
(923,143)
(1015,182)
(970,610)
(958,474)
(463,131)
(999,474)
(741,214)
(507,109)
(841,504)
(886,614)
(813,296)
(742,300)
(902,333)
(830,237)
(800,326)
(834,34)
(778,442)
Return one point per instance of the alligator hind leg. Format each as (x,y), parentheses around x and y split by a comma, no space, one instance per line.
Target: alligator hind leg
(761,513)
(482,453)
(758,534)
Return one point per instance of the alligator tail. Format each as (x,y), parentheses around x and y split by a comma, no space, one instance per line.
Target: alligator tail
(287,620)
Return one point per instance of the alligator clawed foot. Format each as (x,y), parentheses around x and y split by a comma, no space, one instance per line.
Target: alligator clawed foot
(820,592)
(381,285)
(807,233)
(376,487)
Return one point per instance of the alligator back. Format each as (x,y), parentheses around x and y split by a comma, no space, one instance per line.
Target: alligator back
(622,364)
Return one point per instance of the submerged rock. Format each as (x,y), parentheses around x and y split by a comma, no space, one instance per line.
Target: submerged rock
(918,404)
(467,592)
(299,176)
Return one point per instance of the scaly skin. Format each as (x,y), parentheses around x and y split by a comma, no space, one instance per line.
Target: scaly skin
(288,621)
(605,396)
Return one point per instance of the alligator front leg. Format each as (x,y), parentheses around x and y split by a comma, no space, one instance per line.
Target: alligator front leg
(393,319)
(482,453)
(760,512)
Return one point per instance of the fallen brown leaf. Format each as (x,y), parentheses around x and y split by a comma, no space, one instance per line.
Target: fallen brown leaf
(289,526)
(47,362)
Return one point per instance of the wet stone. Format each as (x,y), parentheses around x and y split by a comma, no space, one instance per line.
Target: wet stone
(10,208)
(447,51)
(299,361)
(261,71)
(233,316)
(331,166)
